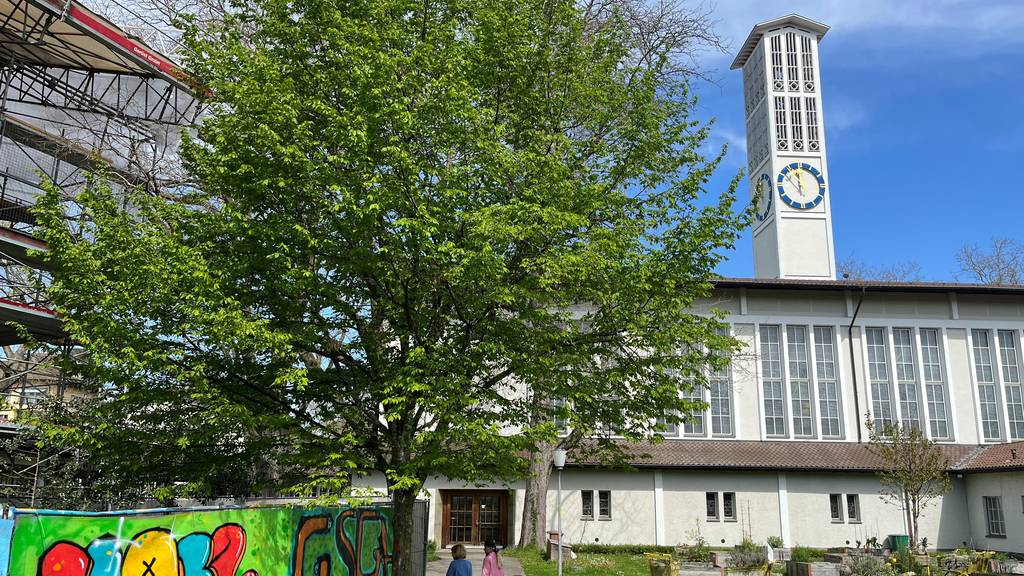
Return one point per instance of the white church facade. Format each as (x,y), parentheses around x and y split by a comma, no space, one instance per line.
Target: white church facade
(780,451)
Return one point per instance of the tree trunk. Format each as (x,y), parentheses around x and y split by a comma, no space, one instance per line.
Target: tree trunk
(404,504)
(915,512)
(908,514)
(535,525)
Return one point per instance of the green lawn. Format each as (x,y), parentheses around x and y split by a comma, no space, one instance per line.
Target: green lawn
(534,564)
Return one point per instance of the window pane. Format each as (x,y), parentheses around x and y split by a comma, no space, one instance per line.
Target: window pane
(987,393)
(878,371)
(835,502)
(935,388)
(828,389)
(771,372)
(711,505)
(906,376)
(729,505)
(994,516)
(604,502)
(1010,361)
(853,507)
(799,387)
(721,406)
(694,424)
(588,503)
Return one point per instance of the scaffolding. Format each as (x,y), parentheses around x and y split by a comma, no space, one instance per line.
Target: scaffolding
(78,94)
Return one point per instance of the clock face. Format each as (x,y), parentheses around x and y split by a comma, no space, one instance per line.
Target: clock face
(801,185)
(763,187)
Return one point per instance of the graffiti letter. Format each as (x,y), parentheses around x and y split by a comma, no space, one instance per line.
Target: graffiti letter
(194,551)
(353,555)
(106,558)
(309,526)
(65,559)
(151,553)
(228,548)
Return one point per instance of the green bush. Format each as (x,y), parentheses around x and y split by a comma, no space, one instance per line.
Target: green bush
(432,551)
(805,554)
(865,565)
(776,541)
(907,562)
(621,549)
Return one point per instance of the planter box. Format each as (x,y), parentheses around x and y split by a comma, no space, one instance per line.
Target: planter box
(700,569)
(744,571)
(812,569)
(1009,567)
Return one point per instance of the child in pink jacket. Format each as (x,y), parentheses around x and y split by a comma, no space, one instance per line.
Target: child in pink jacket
(492,562)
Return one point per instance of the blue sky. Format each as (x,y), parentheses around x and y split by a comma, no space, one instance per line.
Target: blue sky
(924,116)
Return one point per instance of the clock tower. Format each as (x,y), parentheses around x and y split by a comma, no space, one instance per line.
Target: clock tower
(786,163)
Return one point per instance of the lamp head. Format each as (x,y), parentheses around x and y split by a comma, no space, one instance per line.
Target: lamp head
(559,458)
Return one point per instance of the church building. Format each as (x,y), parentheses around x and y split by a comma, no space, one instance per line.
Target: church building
(780,451)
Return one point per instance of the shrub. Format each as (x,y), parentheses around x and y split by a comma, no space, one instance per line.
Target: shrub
(621,549)
(864,565)
(432,551)
(805,554)
(699,551)
(747,555)
(776,541)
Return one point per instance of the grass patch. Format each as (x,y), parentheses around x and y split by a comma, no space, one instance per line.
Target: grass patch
(585,564)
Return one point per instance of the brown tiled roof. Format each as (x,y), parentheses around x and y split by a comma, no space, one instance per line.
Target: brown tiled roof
(870,285)
(996,457)
(766,455)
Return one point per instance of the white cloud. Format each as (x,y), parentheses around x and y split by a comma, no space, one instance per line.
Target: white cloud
(736,142)
(944,27)
(842,113)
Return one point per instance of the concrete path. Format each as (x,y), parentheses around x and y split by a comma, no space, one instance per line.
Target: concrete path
(510,566)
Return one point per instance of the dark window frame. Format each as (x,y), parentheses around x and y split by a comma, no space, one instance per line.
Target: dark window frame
(711,498)
(604,496)
(853,508)
(835,506)
(726,497)
(586,501)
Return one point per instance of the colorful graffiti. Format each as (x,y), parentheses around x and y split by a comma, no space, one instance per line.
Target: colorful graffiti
(219,542)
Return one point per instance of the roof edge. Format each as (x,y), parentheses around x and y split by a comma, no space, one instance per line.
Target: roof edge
(758,30)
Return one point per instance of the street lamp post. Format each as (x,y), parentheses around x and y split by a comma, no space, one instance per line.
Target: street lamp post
(559,462)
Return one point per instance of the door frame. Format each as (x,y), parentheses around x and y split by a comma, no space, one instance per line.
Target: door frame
(446,501)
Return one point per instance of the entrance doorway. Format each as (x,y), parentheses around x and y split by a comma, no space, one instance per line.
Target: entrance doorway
(470,517)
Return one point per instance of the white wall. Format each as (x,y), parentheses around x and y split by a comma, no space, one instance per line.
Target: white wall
(811,521)
(1010,487)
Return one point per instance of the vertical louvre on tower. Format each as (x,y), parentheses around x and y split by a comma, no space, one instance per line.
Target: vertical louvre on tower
(798,130)
(808,61)
(778,81)
(780,123)
(791,61)
(812,124)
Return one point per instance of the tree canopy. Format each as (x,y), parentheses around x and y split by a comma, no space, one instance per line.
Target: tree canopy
(415,224)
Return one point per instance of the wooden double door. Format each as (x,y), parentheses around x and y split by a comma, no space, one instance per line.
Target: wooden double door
(471,517)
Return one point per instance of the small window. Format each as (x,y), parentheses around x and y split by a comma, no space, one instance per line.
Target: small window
(853,507)
(604,505)
(729,506)
(835,504)
(558,415)
(994,516)
(587,505)
(668,429)
(711,503)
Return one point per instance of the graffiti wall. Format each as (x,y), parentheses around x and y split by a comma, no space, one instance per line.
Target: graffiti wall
(270,541)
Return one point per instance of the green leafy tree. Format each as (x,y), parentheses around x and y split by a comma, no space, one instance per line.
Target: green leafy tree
(915,471)
(417,227)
